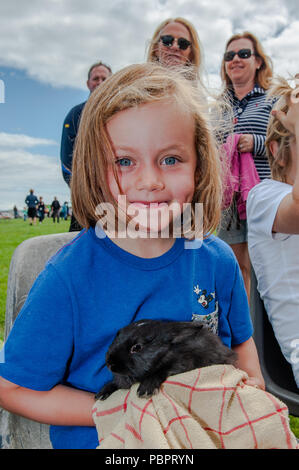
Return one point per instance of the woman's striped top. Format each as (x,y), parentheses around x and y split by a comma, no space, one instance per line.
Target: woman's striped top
(251,116)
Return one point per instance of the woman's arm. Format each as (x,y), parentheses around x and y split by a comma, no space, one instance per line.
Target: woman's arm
(249,362)
(64,406)
(287,217)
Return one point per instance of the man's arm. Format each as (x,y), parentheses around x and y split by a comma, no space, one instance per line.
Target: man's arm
(69,133)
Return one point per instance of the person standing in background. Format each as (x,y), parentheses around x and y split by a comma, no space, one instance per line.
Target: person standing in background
(41,210)
(175,43)
(31,201)
(64,211)
(246,72)
(55,207)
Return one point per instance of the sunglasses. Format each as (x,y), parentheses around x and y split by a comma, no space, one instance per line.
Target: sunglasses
(168,40)
(242,53)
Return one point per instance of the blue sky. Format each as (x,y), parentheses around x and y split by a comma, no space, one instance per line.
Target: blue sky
(35,109)
(47,47)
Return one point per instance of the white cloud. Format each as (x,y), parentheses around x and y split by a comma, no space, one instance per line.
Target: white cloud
(21,170)
(55,41)
(22,141)
(284,50)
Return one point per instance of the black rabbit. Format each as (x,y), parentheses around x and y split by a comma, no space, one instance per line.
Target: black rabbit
(149,351)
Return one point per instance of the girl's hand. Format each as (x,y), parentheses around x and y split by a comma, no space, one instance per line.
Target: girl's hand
(246,143)
(255,382)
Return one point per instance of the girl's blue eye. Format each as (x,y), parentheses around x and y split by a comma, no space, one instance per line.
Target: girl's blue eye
(169,161)
(123,162)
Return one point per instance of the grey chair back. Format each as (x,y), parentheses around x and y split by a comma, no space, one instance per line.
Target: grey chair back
(276,370)
(27,262)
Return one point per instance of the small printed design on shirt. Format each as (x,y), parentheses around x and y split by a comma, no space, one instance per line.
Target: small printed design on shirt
(202,298)
(207,303)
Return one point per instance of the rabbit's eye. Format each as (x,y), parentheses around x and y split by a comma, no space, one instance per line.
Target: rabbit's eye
(136,348)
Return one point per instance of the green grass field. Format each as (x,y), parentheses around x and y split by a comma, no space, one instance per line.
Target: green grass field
(12,233)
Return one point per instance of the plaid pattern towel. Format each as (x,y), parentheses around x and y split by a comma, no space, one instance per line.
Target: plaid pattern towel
(207,408)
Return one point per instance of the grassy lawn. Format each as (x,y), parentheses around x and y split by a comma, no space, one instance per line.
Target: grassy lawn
(12,233)
(294,423)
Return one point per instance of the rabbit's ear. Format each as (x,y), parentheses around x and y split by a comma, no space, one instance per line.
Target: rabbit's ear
(186,333)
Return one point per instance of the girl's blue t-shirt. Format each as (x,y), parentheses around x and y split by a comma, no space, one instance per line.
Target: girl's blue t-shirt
(91,288)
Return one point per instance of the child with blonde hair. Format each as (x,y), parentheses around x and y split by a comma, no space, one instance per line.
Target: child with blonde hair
(273,223)
(144,146)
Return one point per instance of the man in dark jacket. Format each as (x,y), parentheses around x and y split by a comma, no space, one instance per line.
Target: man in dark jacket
(55,207)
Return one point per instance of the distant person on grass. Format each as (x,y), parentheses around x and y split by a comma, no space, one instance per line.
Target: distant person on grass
(97,74)
(55,207)
(64,211)
(41,210)
(16,213)
(31,201)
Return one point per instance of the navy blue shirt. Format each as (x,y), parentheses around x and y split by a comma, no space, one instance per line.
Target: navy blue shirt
(69,133)
(100,288)
(31,200)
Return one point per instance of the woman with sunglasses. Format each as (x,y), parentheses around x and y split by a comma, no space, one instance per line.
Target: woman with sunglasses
(246,72)
(175,43)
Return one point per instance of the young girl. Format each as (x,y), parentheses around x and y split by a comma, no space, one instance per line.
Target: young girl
(142,136)
(273,222)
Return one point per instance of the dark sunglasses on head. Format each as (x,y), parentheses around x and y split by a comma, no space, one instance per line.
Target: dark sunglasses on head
(168,40)
(242,53)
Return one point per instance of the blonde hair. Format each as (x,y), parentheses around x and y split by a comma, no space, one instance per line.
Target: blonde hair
(281,161)
(196,52)
(263,74)
(133,86)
